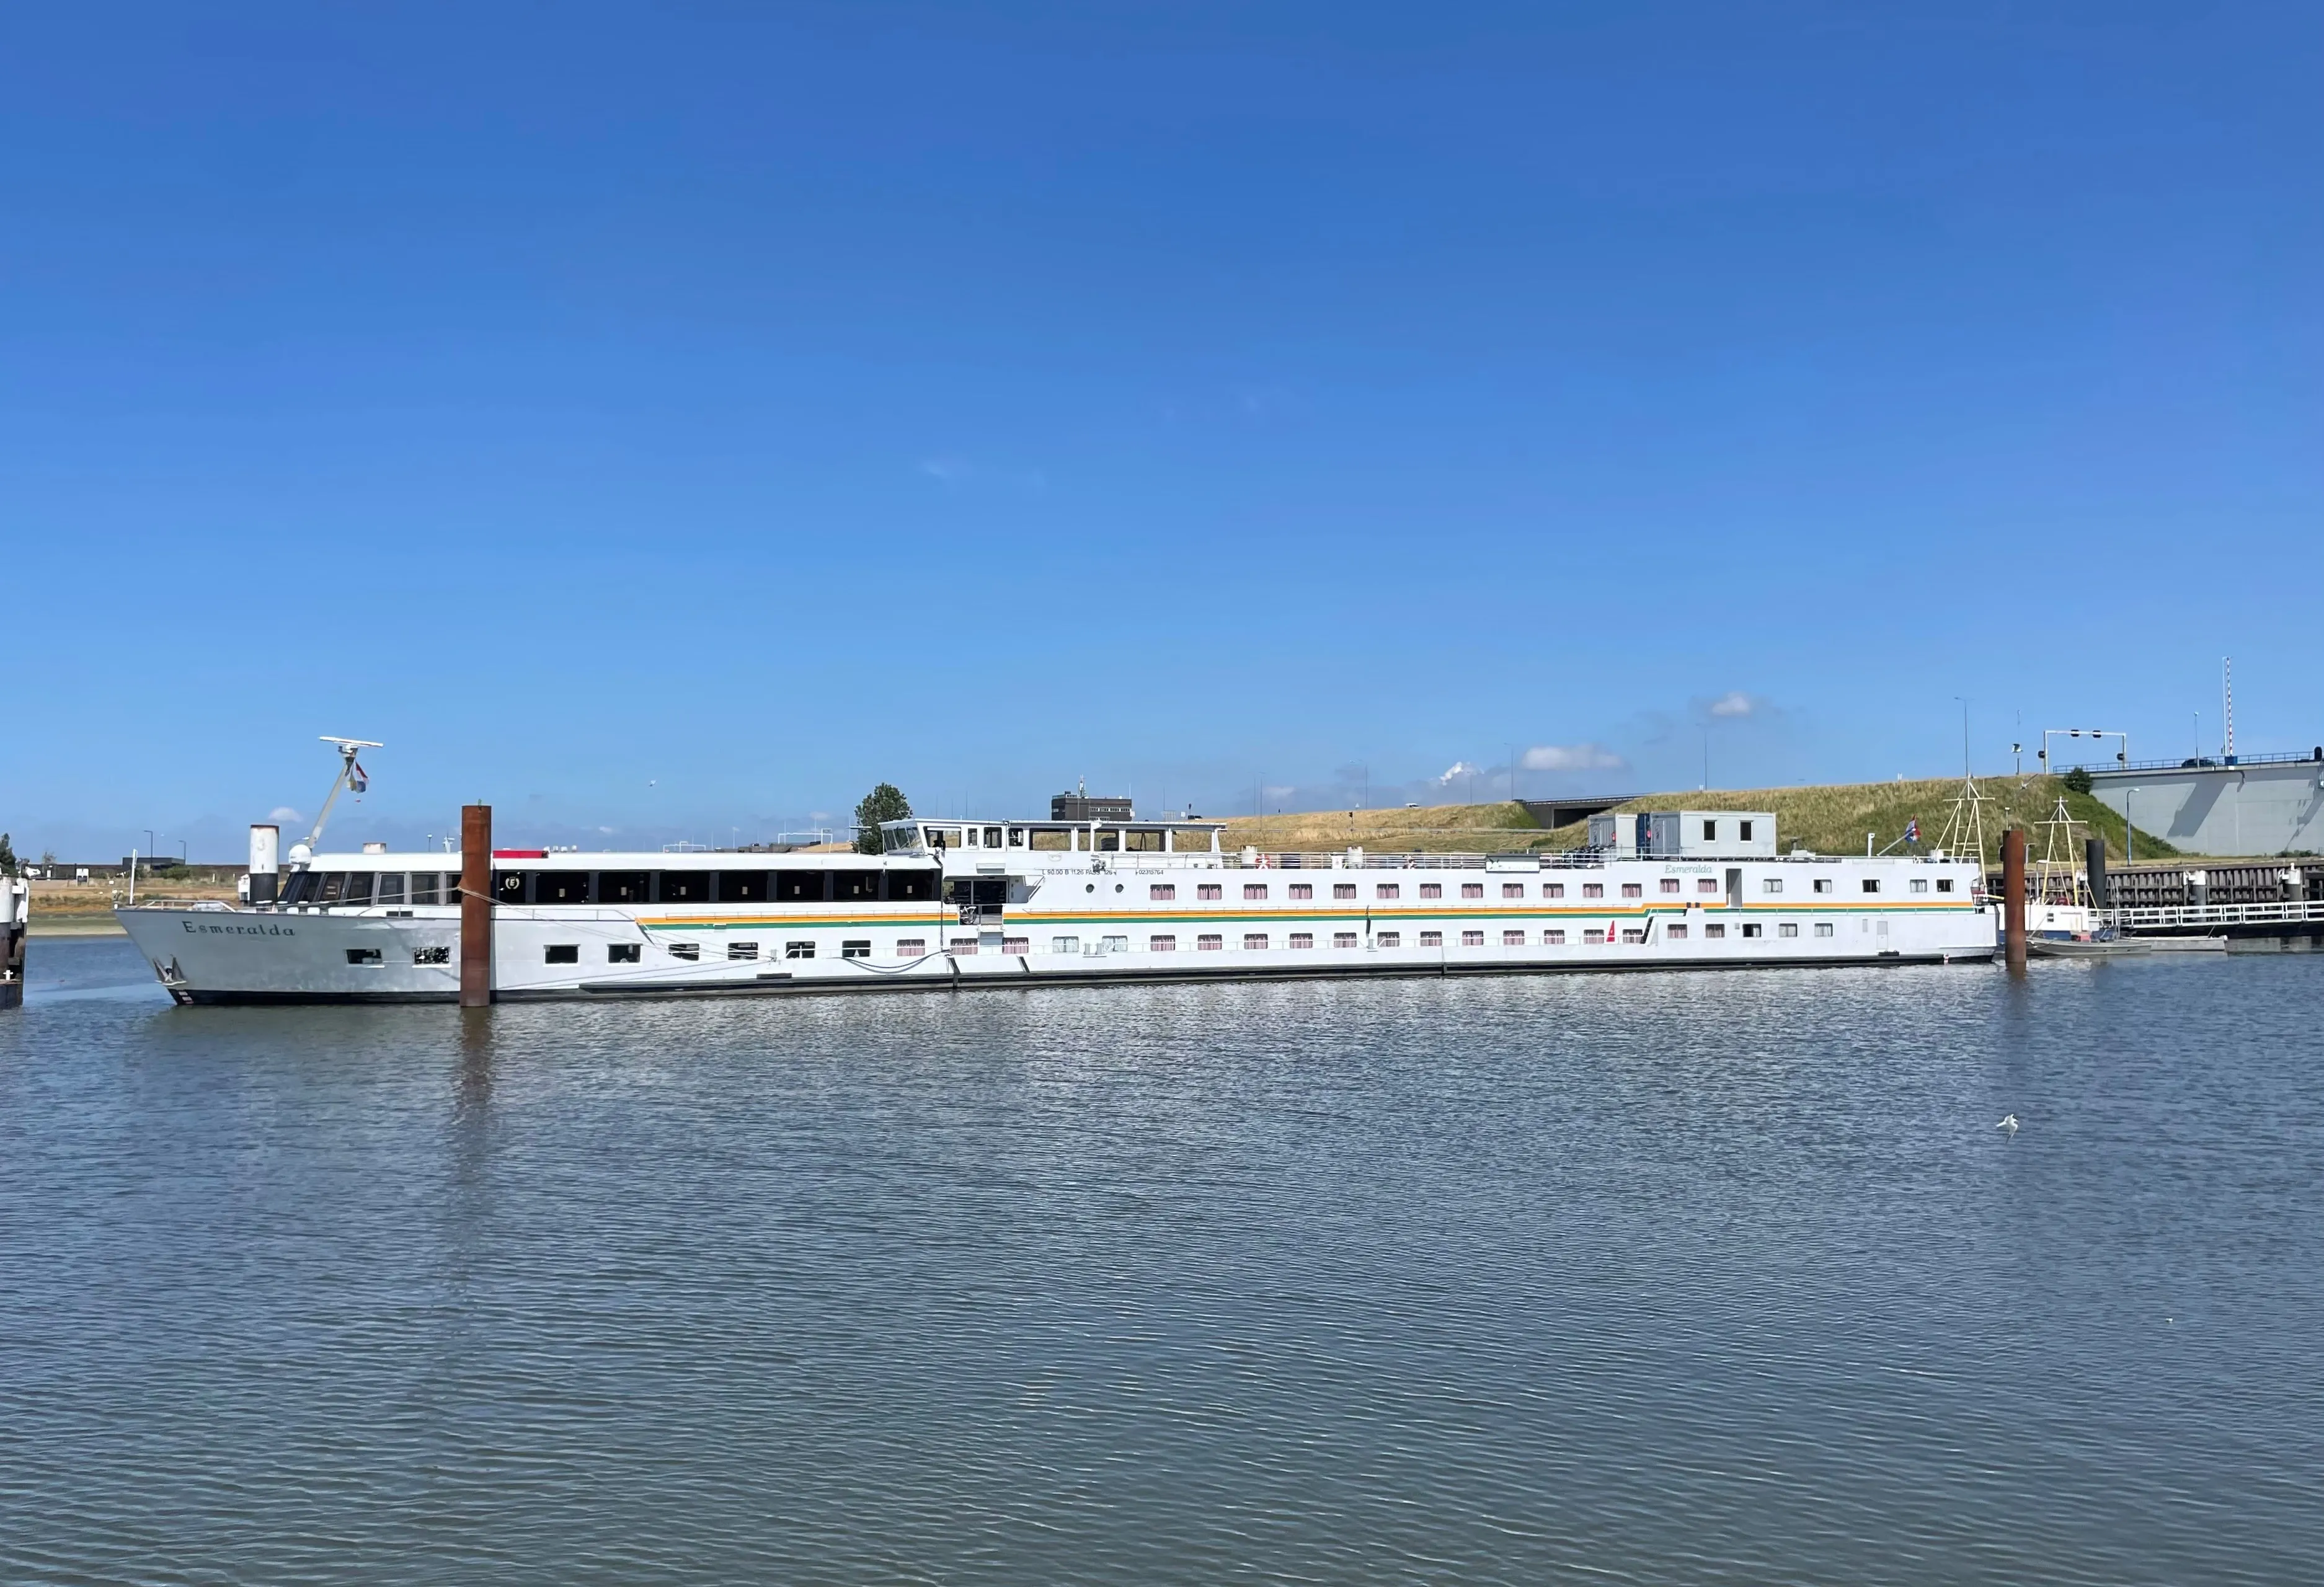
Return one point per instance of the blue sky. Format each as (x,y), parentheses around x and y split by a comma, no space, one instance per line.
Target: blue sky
(672,419)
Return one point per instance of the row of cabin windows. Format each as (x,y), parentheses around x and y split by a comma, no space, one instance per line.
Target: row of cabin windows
(391,889)
(1300,891)
(630,953)
(713,887)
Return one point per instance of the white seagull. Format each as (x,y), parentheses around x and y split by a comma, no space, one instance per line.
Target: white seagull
(2009,1123)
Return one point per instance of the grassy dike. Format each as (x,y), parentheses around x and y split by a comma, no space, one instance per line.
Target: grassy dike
(1830,819)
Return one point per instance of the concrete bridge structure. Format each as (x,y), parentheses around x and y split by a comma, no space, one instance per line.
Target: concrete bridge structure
(2255,805)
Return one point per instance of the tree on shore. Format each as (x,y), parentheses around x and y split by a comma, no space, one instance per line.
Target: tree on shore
(7,857)
(884,803)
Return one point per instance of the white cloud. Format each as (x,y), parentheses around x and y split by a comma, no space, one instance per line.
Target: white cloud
(1571,758)
(1736,703)
(284,813)
(1459,769)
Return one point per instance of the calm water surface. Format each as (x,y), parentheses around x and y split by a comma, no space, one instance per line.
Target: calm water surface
(1717,1277)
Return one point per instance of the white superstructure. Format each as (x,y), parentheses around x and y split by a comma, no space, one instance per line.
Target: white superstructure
(958,903)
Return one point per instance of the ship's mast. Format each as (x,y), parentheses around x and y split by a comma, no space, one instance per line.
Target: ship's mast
(303,851)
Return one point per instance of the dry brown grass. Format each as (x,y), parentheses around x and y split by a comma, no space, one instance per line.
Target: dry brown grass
(1829,818)
(1431,829)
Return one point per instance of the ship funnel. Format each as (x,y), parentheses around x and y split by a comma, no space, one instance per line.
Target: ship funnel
(265,869)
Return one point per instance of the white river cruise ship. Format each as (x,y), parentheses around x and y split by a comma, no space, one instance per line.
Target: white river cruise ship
(956,903)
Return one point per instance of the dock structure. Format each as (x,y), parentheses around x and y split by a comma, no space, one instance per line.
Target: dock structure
(2281,897)
(15,921)
(475,906)
(2248,805)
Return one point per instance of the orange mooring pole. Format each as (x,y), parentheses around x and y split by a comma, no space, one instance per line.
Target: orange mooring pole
(2013,898)
(475,906)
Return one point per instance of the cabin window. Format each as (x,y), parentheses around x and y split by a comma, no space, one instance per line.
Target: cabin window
(750,887)
(1706,884)
(1710,831)
(1016,837)
(1632,889)
(1016,944)
(1746,828)
(1944,885)
(1787,929)
(372,955)
(1254,940)
(742,950)
(855,887)
(1472,939)
(1513,890)
(1553,889)
(911,887)
(992,837)
(1472,889)
(432,955)
(1432,940)
(911,948)
(389,888)
(1752,929)
(1670,884)
(1823,884)
(1254,890)
(682,886)
(1302,939)
(561,887)
(1205,943)
(1161,945)
(964,946)
(424,887)
(1872,884)
(1919,885)
(1674,933)
(1052,839)
(624,953)
(1343,939)
(1634,933)
(1207,890)
(624,887)
(1593,890)
(1824,928)
(358,887)
(1389,890)
(1387,939)
(1163,892)
(857,948)
(791,887)
(1552,939)
(1343,889)
(799,950)
(561,953)
(1303,890)
(1772,884)
(1513,939)
(1714,932)
(1113,945)
(685,950)
(1429,889)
